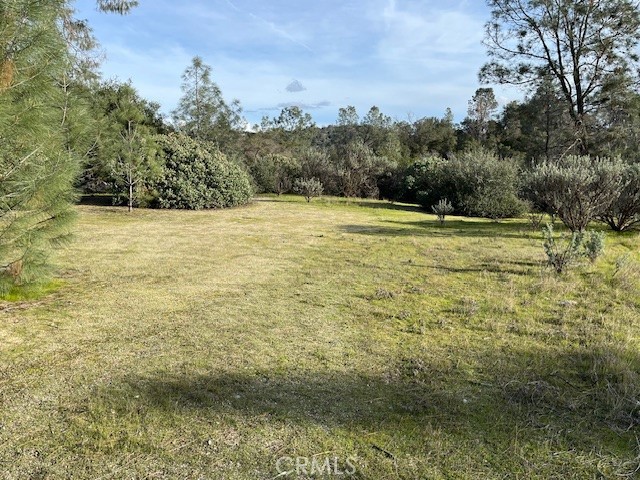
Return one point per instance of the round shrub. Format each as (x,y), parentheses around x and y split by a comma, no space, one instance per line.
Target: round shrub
(478,183)
(576,188)
(196,175)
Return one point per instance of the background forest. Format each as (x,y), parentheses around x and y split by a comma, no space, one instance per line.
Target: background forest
(65,131)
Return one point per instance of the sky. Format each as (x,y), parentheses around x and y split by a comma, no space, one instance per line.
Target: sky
(411,58)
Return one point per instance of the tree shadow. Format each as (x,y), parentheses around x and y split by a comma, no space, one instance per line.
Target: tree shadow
(502,267)
(452,228)
(507,391)
(279,199)
(385,205)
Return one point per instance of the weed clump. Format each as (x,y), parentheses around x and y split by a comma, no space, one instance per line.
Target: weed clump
(569,249)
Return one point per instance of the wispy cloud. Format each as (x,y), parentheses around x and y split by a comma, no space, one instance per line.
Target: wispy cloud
(278,30)
(418,56)
(420,34)
(233,5)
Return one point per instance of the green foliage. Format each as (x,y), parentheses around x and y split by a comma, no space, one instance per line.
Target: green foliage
(316,163)
(117,6)
(196,175)
(348,117)
(482,108)
(425,179)
(576,188)
(121,124)
(442,209)
(583,47)
(308,187)
(478,182)
(274,173)
(429,136)
(624,211)
(203,112)
(539,127)
(293,119)
(37,164)
(593,244)
(563,253)
(127,147)
(617,125)
(359,169)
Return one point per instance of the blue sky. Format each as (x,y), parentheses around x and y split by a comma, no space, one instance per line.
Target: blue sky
(411,58)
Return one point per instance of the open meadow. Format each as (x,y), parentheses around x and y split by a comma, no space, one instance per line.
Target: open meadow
(212,344)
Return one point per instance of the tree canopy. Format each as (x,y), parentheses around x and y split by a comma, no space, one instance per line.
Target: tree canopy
(586,47)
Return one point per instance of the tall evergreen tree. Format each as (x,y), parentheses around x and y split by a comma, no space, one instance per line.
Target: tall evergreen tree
(202,112)
(36,166)
(45,58)
(128,148)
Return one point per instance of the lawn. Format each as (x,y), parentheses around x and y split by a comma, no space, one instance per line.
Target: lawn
(212,344)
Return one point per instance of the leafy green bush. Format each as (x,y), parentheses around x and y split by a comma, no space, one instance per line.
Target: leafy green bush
(426,181)
(576,188)
(560,255)
(274,173)
(316,163)
(196,175)
(308,187)
(360,170)
(479,183)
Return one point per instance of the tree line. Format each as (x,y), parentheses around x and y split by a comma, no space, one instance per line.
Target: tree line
(570,148)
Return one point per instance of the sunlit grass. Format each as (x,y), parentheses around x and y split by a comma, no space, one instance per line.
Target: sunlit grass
(210,344)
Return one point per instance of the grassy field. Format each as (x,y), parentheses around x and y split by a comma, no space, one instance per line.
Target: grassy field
(209,345)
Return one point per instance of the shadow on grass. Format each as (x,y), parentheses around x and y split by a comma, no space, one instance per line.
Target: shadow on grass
(378,205)
(503,267)
(279,199)
(345,201)
(560,400)
(452,228)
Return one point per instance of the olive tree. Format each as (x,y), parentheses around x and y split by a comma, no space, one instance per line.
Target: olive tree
(624,211)
(308,187)
(577,189)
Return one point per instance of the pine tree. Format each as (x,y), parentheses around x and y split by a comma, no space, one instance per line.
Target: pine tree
(128,144)
(116,6)
(584,47)
(203,113)
(37,168)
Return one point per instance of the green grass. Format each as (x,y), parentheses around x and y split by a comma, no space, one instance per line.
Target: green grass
(206,345)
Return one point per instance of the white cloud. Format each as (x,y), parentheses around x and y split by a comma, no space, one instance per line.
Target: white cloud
(429,35)
(417,56)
